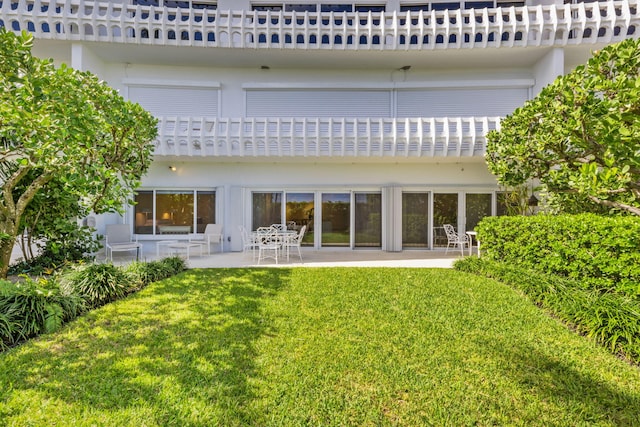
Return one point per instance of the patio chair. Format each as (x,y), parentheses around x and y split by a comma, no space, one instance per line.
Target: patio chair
(117,238)
(295,241)
(249,241)
(212,234)
(454,239)
(268,244)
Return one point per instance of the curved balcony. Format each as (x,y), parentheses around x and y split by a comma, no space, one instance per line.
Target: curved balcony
(324,137)
(549,25)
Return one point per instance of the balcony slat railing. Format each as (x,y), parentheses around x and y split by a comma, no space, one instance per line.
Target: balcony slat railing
(323,137)
(541,25)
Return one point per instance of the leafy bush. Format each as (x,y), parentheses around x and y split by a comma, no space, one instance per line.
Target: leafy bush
(602,253)
(612,319)
(32,307)
(99,284)
(62,245)
(143,273)
(174,265)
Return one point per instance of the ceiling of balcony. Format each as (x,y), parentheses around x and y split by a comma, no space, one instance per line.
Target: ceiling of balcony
(334,59)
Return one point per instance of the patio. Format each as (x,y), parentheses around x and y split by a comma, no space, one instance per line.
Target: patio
(311,258)
(324,258)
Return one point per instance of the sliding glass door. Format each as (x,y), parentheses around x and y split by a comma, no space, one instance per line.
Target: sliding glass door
(299,213)
(415,220)
(445,211)
(336,213)
(477,207)
(266,209)
(368,220)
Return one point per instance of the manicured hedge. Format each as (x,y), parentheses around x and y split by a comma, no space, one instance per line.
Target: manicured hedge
(611,319)
(600,253)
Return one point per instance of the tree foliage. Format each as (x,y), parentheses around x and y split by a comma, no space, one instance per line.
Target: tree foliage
(63,135)
(580,137)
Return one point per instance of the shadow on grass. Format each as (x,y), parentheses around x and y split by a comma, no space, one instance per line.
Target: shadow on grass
(552,379)
(181,352)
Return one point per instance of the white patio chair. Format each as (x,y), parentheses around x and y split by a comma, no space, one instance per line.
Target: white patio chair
(455,239)
(295,241)
(249,241)
(212,234)
(117,238)
(268,244)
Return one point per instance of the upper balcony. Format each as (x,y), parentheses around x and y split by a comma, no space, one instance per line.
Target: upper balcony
(345,138)
(549,25)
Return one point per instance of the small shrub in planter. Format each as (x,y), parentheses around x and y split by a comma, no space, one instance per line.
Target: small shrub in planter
(99,284)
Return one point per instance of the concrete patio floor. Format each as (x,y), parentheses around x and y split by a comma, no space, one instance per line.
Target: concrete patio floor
(325,258)
(310,258)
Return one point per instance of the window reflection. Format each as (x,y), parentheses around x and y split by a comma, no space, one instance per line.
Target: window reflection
(368,220)
(335,219)
(300,212)
(266,209)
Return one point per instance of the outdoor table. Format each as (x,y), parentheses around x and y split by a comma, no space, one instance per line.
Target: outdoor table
(472,235)
(186,246)
(163,244)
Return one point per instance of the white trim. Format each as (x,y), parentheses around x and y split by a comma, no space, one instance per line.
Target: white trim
(170,83)
(383,86)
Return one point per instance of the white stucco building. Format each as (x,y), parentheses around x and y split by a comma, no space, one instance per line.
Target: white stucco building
(364,120)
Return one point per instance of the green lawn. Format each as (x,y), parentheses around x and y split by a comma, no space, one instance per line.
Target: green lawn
(339,346)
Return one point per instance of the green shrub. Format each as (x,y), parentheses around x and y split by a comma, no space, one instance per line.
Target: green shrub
(612,319)
(143,273)
(6,331)
(99,284)
(174,265)
(32,307)
(602,253)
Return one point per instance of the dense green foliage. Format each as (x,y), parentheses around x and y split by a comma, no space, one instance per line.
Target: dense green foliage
(99,284)
(317,346)
(580,137)
(70,143)
(32,307)
(601,253)
(610,318)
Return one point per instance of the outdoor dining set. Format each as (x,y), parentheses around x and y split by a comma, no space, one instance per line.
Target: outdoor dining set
(273,242)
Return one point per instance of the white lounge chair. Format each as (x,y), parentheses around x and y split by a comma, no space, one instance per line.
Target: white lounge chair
(212,234)
(118,239)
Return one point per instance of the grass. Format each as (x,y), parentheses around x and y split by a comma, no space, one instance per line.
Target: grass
(291,347)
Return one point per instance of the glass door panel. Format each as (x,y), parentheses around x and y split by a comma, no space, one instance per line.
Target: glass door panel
(266,209)
(415,220)
(368,220)
(477,207)
(143,213)
(336,211)
(445,211)
(300,211)
(174,212)
(206,209)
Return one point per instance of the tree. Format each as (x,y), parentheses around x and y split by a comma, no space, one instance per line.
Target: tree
(63,126)
(580,137)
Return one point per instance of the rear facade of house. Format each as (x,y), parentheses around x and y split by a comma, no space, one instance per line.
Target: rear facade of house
(363,120)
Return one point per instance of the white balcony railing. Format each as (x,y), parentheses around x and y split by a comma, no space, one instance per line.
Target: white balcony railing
(324,137)
(105,21)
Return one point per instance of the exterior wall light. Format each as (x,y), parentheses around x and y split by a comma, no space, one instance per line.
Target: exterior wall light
(172,168)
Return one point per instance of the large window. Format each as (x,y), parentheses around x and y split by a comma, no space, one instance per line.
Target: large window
(174,211)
